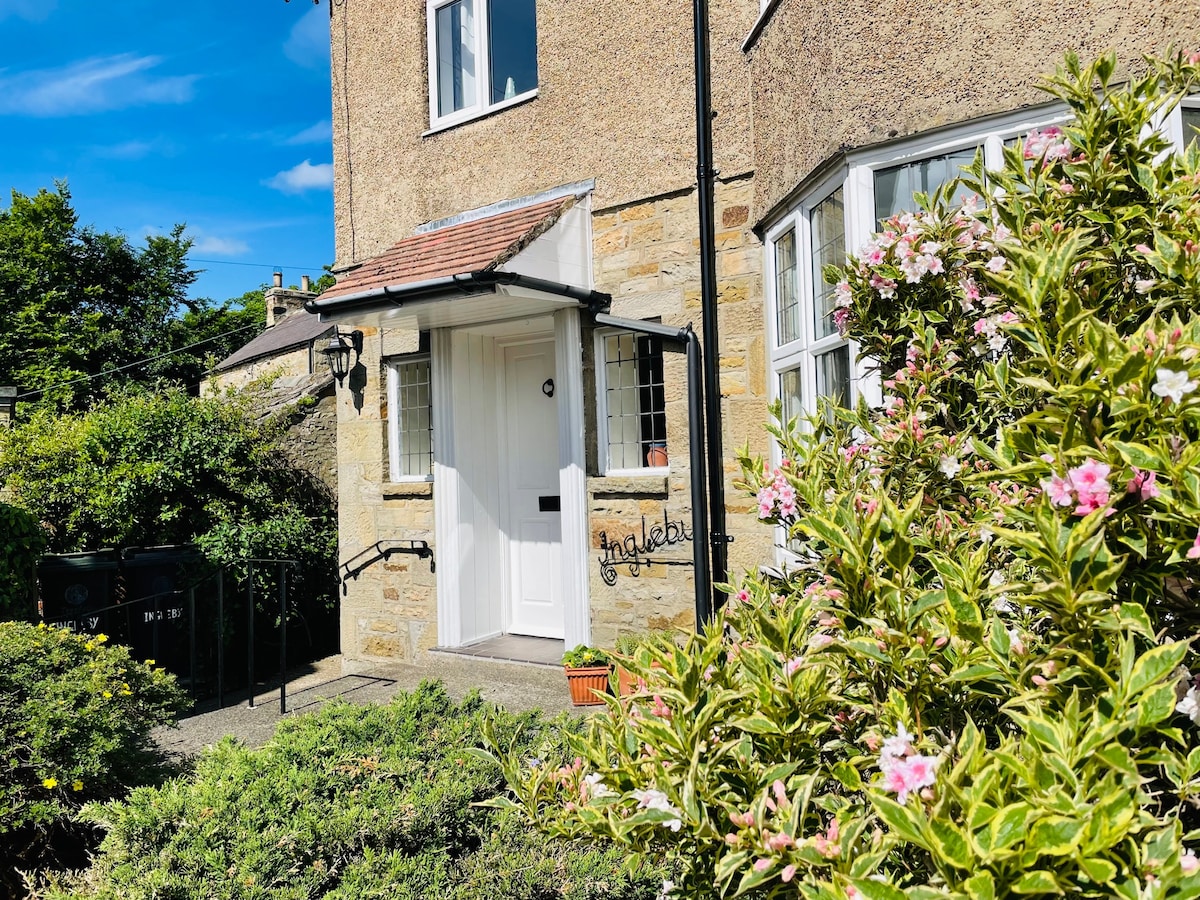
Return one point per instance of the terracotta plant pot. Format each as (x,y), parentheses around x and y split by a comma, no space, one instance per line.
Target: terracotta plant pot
(627,683)
(656,456)
(587,685)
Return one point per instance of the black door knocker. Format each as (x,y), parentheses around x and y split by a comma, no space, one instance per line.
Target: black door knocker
(548,387)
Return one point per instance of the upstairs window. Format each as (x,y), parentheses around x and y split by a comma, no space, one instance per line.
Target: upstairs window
(632,410)
(482,56)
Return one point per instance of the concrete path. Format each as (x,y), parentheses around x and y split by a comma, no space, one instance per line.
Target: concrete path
(515,686)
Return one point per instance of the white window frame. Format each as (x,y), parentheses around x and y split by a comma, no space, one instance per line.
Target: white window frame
(481,106)
(1172,126)
(856,177)
(393,419)
(602,409)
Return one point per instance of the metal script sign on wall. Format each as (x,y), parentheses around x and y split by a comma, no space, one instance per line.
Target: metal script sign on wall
(633,554)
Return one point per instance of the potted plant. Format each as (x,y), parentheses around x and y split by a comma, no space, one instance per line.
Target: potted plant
(587,671)
(633,647)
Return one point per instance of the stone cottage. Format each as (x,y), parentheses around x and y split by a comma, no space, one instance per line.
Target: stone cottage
(505,169)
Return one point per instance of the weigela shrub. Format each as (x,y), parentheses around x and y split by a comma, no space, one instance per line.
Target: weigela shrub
(971,681)
(353,803)
(75,722)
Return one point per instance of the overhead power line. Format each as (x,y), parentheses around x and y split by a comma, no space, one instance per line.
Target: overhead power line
(228,262)
(132,365)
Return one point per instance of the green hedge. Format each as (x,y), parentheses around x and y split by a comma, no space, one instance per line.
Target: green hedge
(353,802)
(21,544)
(75,722)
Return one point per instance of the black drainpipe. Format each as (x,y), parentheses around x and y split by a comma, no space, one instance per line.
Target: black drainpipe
(677,340)
(705,178)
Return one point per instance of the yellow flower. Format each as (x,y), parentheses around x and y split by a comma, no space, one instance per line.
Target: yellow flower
(41,626)
(107,695)
(89,646)
(101,638)
(77,785)
(149,662)
(50,783)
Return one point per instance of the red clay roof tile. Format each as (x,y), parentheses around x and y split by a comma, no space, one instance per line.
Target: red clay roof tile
(478,246)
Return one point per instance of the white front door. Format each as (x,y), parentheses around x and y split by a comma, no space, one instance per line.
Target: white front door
(533,522)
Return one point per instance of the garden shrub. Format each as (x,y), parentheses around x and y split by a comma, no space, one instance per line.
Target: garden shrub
(21,546)
(974,681)
(352,802)
(75,722)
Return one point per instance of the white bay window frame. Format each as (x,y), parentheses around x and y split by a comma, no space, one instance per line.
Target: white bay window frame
(479,103)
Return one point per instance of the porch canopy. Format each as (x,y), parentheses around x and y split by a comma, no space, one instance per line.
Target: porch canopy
(516,259)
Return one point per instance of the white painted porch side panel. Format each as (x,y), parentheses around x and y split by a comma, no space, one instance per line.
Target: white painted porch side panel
(475,423)
(562,254)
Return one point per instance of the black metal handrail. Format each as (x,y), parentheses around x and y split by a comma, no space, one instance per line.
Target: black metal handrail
(156,616)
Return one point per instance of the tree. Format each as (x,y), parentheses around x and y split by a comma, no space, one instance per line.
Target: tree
(973,682)
(76,303)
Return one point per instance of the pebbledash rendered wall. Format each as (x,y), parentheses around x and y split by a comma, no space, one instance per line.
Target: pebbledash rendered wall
(646,256)
(866,76)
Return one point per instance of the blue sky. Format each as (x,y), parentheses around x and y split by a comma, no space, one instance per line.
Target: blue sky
(213,114)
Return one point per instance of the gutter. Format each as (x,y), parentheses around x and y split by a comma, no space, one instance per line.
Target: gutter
(468,283)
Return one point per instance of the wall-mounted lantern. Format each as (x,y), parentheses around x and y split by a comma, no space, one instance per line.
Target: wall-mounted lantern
(338,352)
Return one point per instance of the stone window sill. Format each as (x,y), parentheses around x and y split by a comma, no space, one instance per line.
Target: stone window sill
(628,486)
(393,490)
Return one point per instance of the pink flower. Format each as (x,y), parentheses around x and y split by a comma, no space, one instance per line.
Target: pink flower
(1194,552)
(792,666)
(907,776)
(1090,483)
(789,872)
(761,865)
(996,264)
(1058,489)
(1143,485)
(1188,863)
(660,708)
(841,320)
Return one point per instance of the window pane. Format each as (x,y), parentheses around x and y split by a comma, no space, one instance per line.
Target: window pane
(828,232)
(894,187)
(512,47)
(635,401)
(456,56)
(1191,122)
(833,375)
(789,394)
(413,453)
(787,293)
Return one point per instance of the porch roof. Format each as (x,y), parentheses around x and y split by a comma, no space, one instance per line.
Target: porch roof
(520,261)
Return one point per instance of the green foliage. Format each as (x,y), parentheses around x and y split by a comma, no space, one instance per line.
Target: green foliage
(583,657)
(973,682)
(143,470)
(354,802)
(21,545)
(75,721)
(75,302)
(218,330)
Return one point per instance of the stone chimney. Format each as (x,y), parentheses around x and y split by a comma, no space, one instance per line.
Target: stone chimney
(282,302)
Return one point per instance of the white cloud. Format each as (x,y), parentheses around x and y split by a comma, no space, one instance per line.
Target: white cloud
(135,150)
(92,85)
(212,245)
(321,133)
(32,10)
(303,177)
(308,42)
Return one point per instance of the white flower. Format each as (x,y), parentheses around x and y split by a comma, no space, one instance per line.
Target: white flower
(1190,706)
(654,799)
(1189,863)
(996,263)
(897,745)
(596,785)
(667,887)
(1169,383)
(949,466)
(1144,285)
